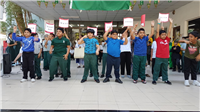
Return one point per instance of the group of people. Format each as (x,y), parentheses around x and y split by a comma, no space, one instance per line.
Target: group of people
(116,52)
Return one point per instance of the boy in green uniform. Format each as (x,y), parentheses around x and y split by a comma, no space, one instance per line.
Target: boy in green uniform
(60,54)
(91,50)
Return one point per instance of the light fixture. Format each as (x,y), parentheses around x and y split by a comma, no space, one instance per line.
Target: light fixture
(114,25)
(70,25)
(191,25)
(70,16)
(82,25)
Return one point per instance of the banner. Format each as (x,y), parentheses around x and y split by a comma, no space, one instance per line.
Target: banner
(128,21)
(63,23)
(143,20)
(33,27)
(108,25)
(95,30)
(163,17)
(49,28)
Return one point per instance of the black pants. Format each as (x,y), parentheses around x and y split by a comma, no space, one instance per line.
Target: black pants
(190,65)
(148,58)
(125,60)
(100,55)
(72,56)
(176,62)
(28,64)
(153,63)
(112,61)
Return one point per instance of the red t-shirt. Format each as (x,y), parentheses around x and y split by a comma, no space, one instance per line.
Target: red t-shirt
(162,47)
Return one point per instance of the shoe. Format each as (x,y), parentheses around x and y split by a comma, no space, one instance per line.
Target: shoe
(61,76)
(57,75)
(110,76)
(196,83)
(147,75)
(134,81)
(97,80)
(106,80)
(83,66)
(170,68)
(148,65)
(118,80)
(45,69)
(32,80)
(187,83)
(50,80)
(102,76)
(65,79)
(168,82)
(79,67)
(154,82)
(23,80)
(129,76)
(144,82)
(122,76)
(179,71)
(38,78)
(91,75)
(83,80)
(69,76)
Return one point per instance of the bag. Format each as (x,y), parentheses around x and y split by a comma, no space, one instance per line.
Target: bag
(79,52)
(7,64)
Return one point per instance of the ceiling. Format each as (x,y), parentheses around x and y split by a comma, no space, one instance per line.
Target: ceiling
(51,13)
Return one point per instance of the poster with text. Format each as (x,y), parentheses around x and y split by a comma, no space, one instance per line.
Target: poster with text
(63,23)
(164,17)
(33,27)
(143,20)
(128,21)
(108,25)
(49,28)
(95,30)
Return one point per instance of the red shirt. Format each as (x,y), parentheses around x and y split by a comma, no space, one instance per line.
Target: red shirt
(162,47)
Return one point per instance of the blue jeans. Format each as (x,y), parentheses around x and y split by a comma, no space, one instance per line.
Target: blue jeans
(112,61)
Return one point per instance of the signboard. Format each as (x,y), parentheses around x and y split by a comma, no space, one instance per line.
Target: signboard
(108,25)
(33,27)
(63,23)
(164,17)
(49,28)
(128,21)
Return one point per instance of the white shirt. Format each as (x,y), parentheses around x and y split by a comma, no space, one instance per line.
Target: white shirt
(9,39)
(101,47)
(104,47)
(127,47)
(71,51)
(154,47)
(37,47)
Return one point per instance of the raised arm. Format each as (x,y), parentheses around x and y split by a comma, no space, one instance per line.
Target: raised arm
(125,32)
(126,40)
(81,40)
(14,35)
(66,35)
(152,29)
(184,41)
(170,27)
(106,33)
(132,32)
(158,26)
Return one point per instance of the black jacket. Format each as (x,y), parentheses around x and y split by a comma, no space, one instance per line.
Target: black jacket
(175,53)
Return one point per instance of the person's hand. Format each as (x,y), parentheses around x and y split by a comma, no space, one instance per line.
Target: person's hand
(162,27)
(45,46)
(84,36)
(198,58)
(40,55)
(152,23)
(15,43)
(110,28)
(97,52)
(187,42)
(65,56)
(105,43)
(159,21)
(50,52)
(14,29)
(170,20)
(174,48)
(15,61)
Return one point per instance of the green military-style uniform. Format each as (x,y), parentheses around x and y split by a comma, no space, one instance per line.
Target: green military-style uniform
(68,65)
(37,48)
(10,50)
(60,46)
(47,56)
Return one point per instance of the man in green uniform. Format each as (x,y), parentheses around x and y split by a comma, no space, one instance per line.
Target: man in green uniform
(60,54)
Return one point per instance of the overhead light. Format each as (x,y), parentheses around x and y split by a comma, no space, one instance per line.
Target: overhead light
(70,16)
(77,24)
(70,25)
(191,25)
(82,25)
(114,25)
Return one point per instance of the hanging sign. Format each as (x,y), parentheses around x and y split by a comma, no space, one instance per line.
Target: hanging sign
(143,20)
(108,25)
(49,28)
(163,17)
(33,27)
(63,23)
(128,21)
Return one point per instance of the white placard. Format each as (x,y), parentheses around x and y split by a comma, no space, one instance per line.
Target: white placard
(128,21)
(108,25)
(63,23)
(49,28)
(95,30)
(33,27)
(163,17)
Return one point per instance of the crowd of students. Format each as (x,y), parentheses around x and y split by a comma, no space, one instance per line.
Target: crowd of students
(116,52)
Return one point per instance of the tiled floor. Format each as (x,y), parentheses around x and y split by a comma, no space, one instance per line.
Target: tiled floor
(73,95)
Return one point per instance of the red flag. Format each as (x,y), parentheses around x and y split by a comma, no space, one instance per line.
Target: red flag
(143,20)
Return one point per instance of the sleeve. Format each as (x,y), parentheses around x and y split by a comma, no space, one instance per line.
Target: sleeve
(16,38)
(37,40)
(121,42)
(52,43)
(67,42)
(8,40)
(107,40)
(135,39)
(40,46)
(153,45)
(96,42)
(147,38)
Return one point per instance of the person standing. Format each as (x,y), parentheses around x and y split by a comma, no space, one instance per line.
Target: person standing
(10,48)
(46,48)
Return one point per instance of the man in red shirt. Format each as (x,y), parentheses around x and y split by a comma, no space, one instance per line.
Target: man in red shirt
(162,54)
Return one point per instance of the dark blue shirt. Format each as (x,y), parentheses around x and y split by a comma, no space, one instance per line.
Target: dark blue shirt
(140,46)
(113,46)
(28,43)
(90,45)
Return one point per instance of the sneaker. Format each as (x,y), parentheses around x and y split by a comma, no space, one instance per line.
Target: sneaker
(144,82)
(38,78)
(154,82)
(187,83)
(69,76)
(148,65)
(110,76)
(147,75)
(122,76)
(32,80)
(83,66)
(83,80)
(196,83)
(102,76)
(118,80)
(129,76)
(168,82)
(65,79)
(106,80)
(23,80)
(50,80)
(97,80)
(79,67)
(134,81)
